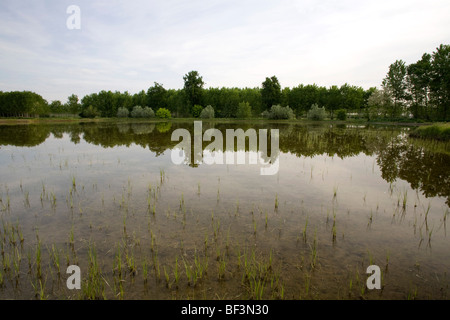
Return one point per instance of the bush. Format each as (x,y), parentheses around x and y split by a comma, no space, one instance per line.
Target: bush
(196,111)
(137,112)
(207,113)
(90,112)
(163,113)
(265,114)
(278,112)
(122,113)
(341,114)
(244,110)
(316,113)
(148,113)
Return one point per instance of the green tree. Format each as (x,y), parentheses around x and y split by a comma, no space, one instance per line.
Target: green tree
(56,107)
(341,114)
(122,112)
(193,88)
(395,82)
(137,112)
(196,110)
(440,81)
(207,113)
(91,112)
(176,102)
(157,96)
(316,113)
(271,92)
(72,104)
(333,100)
(244,110)
(163,113)
(140,99)
(418,79)
(379,104)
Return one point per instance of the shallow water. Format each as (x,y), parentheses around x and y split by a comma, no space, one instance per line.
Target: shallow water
(344,198)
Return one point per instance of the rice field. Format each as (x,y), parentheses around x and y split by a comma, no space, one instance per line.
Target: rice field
(108,199)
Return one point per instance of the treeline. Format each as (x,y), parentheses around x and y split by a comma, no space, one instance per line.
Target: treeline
(22,104)
(226,101)
(420,90)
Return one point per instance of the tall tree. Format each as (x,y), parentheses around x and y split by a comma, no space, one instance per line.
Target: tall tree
(333,100)
(418,79)
(395,82)
(440,81)
(271,92)
(72,104)
(157,97)
(193,88)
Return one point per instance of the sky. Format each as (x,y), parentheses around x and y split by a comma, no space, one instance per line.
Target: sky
(130,45)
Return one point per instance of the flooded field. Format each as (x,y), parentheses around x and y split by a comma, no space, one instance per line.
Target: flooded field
(108,198)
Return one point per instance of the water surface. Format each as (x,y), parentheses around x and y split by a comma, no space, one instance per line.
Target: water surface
(344,197)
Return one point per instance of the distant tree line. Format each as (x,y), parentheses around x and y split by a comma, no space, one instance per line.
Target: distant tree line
(420,90)
(22,104)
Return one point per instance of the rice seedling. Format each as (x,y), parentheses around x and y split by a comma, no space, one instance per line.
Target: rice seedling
(222,267)
(145,270)
(334,230)
(266,220)
(205,242)
(307,283)
(276,201)
(94,286)
(39,290)
(131,264)
(38,259)
(55,255)
(314,251)
(156,267)
(304,232)
(404,199)
(175,272)
(53,200)
(27,199)
(335,189)
(387,261)
(166,276)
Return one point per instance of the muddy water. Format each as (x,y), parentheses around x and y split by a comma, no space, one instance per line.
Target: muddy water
(343,198)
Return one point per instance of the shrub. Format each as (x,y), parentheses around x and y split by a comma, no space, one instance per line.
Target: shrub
(137,112)
(341,114)
(163,113)
(316,113)
(278,112)
(244,110)
(91,112)
(207,113)
(122,112)
(148,113)
(196,111)
(265,114)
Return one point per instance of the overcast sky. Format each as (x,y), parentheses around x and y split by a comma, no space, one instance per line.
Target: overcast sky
(129,45)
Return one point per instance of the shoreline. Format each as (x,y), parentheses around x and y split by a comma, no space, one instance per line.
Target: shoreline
(18,121)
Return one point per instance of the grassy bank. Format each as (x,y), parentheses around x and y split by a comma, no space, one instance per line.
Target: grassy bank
(16,121)
(438,131)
